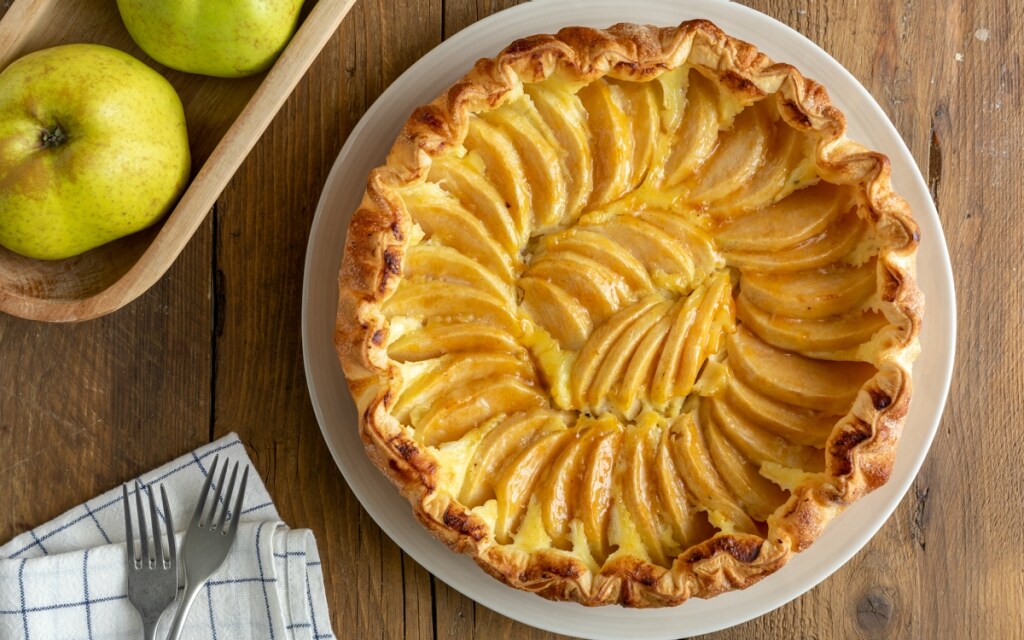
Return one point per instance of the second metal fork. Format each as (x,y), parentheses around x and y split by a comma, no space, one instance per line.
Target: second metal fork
(153,574)
(208,539)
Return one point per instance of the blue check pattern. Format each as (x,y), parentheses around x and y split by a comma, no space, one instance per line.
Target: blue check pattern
(67,579)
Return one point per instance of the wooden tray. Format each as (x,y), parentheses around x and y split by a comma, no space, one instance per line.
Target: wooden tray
(225,118)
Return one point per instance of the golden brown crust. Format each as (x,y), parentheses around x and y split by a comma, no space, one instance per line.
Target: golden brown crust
(861,449)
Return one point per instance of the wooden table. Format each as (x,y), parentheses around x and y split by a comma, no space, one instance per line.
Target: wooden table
(215,346)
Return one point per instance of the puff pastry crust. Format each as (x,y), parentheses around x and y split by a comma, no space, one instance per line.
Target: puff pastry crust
(642,405)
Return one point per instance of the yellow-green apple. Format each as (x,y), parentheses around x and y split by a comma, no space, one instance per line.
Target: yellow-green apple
(223,38)
(92,148)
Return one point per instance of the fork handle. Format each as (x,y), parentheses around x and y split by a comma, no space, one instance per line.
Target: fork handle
(149,629)
(191,590)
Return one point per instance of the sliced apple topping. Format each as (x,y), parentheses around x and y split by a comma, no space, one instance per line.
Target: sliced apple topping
(597,287)
(799,217)
(795,424)
(789,165)
(828,338)
(672,101)
(464,181)
(431,261)
(611,140)
(444,220)
(499,447)
(695,322)
(504,168)
(517,482)
(645,118)
(453,371)
(566,118)
(830,246)
(693,460)
(437,339)
(542,163)
(796,379)
(596,488)
(738,156)
(435,299)
(812,294)
(697,134)
(758,496)
(558,312)
(603,250)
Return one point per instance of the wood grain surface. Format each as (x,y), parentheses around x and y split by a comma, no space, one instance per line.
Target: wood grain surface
(215,345)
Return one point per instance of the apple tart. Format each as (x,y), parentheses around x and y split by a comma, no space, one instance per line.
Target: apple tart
(627,317)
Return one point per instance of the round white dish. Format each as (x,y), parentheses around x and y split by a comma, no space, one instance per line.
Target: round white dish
(366,148)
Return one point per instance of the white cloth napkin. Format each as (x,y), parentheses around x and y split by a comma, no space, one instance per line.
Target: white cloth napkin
(68,578)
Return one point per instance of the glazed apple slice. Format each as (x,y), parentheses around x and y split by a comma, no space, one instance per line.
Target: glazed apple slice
(453,371)
(703,331)
(637,485)
(594,507)
(789,164)
(694,463)
(440,262)
(517,482)
(737,157)
(795,424)
(828,337)
(567,119)
(460,178)
(598,288)
(620,354)
(792,220)
(465,407)
(758,496)
(677,509)
(560,314)
(697,134)
(830,246)
(796,379)
(633,387)
(559,494)
(642,111)
(439,338)
(504,169)
(672,97)
(437,299)
(594,351)
(611,141)
(501,445)
(761,446)
(683,316)
(655,248)
(698,244)
(685,347)
(811,294)
(446,221)
(541,162)
(603,250)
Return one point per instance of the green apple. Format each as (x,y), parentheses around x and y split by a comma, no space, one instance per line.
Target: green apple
(93,147)
(223,38)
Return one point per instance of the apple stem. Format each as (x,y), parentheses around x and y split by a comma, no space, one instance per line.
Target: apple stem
(54,137)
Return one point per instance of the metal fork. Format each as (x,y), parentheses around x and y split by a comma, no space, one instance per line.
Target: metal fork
(153,574)
(207,541)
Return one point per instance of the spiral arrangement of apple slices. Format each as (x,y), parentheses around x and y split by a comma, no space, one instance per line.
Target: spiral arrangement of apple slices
(630,314)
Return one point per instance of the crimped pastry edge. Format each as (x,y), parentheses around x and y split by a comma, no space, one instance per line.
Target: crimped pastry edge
(861,450)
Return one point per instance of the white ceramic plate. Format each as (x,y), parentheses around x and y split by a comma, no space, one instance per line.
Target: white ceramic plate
(366,148)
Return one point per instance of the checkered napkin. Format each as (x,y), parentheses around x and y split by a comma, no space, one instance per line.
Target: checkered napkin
(67,579)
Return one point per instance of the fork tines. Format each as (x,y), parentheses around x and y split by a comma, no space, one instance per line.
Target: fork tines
(165,554)
(220,496)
